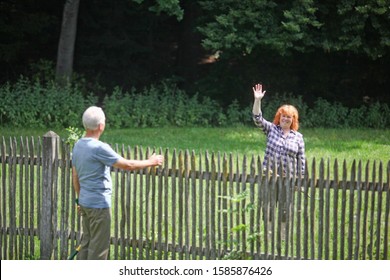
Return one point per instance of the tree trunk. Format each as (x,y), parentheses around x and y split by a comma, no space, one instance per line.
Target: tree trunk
(66,44)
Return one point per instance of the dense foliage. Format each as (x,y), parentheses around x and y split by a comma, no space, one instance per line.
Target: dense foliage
(30,103)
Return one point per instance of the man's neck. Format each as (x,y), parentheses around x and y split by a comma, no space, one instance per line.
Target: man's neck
(95,134)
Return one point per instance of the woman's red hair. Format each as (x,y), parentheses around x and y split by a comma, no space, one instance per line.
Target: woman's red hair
(288,110)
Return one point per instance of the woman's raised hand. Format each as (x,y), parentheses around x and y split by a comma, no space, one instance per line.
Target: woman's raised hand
(258,92)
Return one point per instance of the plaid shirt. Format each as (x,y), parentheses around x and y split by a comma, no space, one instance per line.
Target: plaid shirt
(282,147)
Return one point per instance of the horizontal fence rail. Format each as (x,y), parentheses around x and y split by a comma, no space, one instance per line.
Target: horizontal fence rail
(196,206)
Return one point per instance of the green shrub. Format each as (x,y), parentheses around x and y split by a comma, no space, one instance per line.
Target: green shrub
(378,115)
(44,104)
(161,105)
(32,104)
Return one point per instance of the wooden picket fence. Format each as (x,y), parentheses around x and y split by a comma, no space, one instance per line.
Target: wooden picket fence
(196,207)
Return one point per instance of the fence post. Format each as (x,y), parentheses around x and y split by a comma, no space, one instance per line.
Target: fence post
(49,154)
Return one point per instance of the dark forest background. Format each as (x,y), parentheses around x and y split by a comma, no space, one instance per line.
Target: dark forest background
(336,50)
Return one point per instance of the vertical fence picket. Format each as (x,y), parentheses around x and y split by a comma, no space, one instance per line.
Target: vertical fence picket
(127,210)
(372,213)
(160,214)
(69,203)
(213,210)
(122,203)
(134,208)
(63,209)
(312,209)
(224,206)
(286,221)
(142,173)
(387,212)
(321,182)
(207,206)
(280,210)
(3,196)
(290,205)
(115,208)
(74,235)
(194,209)
(218,212)
(243,202)
(298,212)
(187,205)
(30,198)
(39,179)
(351,210)
(21,190)
(237,204)
(306,215)
(55,198)
(273,197)
(336,223)
(181,205)
(12,199)
(379,212)
(231,204)
(201,209)
(358,211)
(343,209)
(259,216)
(266,207)
(366,187)
(327,212)
(164,170)
(295,211)
(252,172)
(174,203)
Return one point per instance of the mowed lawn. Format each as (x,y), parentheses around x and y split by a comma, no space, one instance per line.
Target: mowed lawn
(341,144)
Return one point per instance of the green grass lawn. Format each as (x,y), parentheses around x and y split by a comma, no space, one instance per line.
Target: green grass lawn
(343,144)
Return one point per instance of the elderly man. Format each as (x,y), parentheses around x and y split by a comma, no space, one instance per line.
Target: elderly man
(92,161)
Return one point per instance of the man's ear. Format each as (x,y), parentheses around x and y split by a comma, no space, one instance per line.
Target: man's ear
(101,127)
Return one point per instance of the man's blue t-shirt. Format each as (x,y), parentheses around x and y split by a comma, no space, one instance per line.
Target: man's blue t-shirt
(92,160)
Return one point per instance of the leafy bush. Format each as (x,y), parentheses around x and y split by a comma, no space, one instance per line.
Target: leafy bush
(326,114)
(378,115)
(31,104)
(160,105)
(44,104)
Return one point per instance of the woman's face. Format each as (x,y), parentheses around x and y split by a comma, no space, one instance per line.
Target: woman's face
(285,121)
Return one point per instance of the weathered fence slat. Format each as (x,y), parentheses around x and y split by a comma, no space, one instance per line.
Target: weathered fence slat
(358,211)
(379,211)
(48,229)
(12,198)
(372,213)
(387,212)
(335,208)
(174,204)
(351,211)
(343,209)
(327,212)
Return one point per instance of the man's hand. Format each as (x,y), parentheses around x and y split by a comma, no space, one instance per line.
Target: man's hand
(156,159)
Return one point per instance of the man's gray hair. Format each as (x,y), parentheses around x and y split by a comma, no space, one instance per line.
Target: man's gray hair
(92,117)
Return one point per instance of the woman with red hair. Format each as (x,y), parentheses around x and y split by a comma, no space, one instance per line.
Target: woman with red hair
(284,143)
